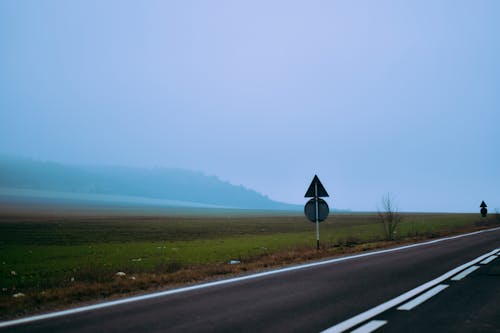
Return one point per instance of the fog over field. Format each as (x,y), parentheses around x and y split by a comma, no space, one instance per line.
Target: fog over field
(372,96)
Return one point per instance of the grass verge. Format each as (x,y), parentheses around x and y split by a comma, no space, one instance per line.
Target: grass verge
(51,262)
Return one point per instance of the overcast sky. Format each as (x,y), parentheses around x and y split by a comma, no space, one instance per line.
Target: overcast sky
(373,96)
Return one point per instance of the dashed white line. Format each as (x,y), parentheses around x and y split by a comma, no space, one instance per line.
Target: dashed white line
(370,327)
(463,274)
(422,298)
(488,260)
(364,316)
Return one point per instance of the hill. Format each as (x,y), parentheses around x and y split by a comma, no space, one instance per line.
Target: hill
(175,186)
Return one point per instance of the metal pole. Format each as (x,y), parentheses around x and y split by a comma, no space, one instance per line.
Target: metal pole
(317,215)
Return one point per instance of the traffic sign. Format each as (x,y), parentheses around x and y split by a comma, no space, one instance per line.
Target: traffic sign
(484,211)
(316,185)
(310,210)
(316,209)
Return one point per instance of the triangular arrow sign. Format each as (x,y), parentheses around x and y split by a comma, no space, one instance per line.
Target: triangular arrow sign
(483,204)
(311,190)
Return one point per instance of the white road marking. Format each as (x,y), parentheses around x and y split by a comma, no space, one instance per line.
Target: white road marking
(370,327)
(233,280)
(364,316)
(463,274)
(424,297)
(488,260)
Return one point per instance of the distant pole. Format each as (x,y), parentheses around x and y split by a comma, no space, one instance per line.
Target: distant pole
(484,211)
(317,215)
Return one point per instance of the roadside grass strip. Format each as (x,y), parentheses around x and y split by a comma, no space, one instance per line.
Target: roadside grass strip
(370,326)
(463,274)
(488,260)
(424,297)
(375,311)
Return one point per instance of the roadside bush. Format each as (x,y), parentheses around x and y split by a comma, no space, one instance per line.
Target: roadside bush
(389,218)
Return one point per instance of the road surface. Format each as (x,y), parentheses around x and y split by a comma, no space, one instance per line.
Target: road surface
(361,292)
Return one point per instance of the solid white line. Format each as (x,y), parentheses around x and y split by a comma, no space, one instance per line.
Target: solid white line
(424,297)
(488,260)
(364,316)
(228,281)
(370,327)
(463,274)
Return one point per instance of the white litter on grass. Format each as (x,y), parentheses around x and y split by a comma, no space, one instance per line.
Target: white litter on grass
(234,262)
(18,295)
(137,259)
(72,279)
(120,274)
(13,273)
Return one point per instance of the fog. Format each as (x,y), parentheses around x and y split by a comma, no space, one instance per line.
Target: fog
(374,97)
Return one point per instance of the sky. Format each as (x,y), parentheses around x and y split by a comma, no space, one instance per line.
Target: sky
(374,97)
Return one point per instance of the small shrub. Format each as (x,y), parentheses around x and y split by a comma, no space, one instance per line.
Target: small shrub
(93,273)
(168,267)
(347,242)
(389,217)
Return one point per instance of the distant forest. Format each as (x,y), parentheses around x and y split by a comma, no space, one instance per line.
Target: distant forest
(157,183)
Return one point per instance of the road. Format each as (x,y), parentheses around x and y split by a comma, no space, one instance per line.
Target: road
(356,292)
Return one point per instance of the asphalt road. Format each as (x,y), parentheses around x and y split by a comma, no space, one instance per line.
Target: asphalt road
(313,299)
(471,305)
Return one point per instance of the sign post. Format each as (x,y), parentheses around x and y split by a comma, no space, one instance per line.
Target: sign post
(484,211)
(316,209)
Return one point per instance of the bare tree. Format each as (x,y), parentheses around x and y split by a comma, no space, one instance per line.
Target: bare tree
(389,217)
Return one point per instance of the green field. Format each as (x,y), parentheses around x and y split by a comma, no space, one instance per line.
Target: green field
(57,260)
